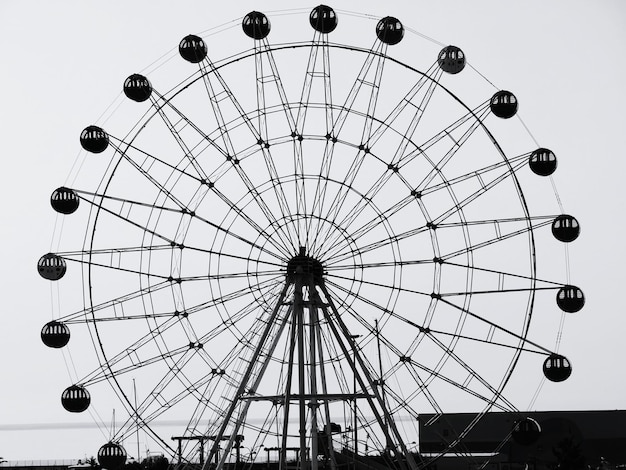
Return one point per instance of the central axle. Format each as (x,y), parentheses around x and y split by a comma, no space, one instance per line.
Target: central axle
(306,266)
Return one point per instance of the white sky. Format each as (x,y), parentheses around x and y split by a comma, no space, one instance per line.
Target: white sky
(63,62)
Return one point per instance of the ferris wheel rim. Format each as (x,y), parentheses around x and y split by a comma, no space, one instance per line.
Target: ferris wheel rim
(150,237)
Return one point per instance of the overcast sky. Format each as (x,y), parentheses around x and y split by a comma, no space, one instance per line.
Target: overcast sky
(62,65)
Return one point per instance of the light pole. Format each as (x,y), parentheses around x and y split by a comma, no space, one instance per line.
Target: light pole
(354,423)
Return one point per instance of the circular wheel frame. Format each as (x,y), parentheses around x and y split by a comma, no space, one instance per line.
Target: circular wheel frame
(307,257)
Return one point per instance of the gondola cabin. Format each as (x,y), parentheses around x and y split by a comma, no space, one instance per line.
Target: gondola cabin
(565,228)
(323,19)
(390,30)
(504,104)
(570,299)
(75,399)
(111,456)
(192,48)
(526,431)
(51,267)
(451,59)
(256,25)
(542,162)
(137,88)
(557,368)
(64,200)
(55,334)
(94,139)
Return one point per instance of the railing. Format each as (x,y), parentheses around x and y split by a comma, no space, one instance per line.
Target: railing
(38,463)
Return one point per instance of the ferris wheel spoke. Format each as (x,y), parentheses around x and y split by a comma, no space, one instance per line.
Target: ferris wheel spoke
(371,330)
(490,342)
(402,403)
(517,162)
(152,414)
(110,252)
(238,320)
(148,413)
(422,387)
(233,275)
(405,357)
(177,361)
(381,264)
(484,187)
(496,223)
(220,95)
(190,388)
(500,237)
(224,299)
(232,157)
(520,338)
(412,365)
(379,284)
(231,322)
(406,360)
(168,281)
(282,244)
(457,133)
(494,291)
(126,205)
(244,239)
(364,73)
(264,59)
(203,409)
(117,305)
(80,316)
(218,92)
(369,196)
(131,354)
(510,166)
(179,122)
(285,232)
(503,274)
(417,100)
(145,168)
(224,254)
(146,162)
(496,399)
(318,204)
(179,354)
(283,240)
(457,144)
(111,266)
(342,252)
(364,78)
(175,132)
(123,208)
(368,78)
(364,202)
(472,374)
(314,71)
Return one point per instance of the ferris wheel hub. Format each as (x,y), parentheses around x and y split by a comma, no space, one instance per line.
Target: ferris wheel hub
(309,268)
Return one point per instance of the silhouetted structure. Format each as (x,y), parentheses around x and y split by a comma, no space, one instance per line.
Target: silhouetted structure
(590,436)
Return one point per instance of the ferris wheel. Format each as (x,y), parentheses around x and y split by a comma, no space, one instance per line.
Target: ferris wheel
(301,247)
